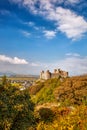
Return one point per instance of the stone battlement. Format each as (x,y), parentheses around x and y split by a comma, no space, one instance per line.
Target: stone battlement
(56,74)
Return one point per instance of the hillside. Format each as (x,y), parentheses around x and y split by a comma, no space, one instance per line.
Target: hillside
(69,91)
(43,92)
(54,104)
(61,104)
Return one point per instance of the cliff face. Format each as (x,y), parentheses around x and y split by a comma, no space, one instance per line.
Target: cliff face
(57,73)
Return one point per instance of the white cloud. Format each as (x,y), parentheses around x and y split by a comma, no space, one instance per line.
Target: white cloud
(14,60)
(67,21)
(73,54)
(29,23)
(43,5)
(73,1)
(35,64)
(36,28)
(25,33)
(75,65)
(72,25)
(16,1)
(49,34)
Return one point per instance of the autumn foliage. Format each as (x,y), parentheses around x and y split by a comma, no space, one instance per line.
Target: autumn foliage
(59,104)
(16,108)
(72,91)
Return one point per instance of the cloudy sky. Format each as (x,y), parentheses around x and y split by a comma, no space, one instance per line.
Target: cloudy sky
(43,34)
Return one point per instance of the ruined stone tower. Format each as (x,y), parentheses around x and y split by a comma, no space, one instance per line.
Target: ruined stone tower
(47,74)
(56,74)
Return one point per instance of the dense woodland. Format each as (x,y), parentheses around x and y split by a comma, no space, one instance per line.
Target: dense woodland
(54,104)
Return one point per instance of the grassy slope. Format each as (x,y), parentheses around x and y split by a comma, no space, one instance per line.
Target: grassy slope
(70,91)
(43,92)
(70,94)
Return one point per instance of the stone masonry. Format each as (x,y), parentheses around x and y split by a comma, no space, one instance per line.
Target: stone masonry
(56,74)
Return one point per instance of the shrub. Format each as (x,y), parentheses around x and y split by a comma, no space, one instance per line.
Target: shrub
(46,114)
(66,119)
(72,91)
(35,89)
(16,108)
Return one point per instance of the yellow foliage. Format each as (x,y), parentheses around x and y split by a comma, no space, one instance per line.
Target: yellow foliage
(19,107)
(75,120)
(7,124)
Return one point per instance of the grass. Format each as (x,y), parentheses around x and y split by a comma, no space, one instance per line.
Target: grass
(46,93)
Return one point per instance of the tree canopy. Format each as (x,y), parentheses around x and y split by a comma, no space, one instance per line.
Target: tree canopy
(16,107)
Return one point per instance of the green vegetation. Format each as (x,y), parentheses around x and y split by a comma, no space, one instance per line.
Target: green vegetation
(16,108)
(54,104)
(63,118)
(69,91)
(43,92)
(61,104)
(72,91)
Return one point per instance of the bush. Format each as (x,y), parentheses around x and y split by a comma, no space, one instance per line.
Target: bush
(16,108)
(66,119)
(46,114)
(35,89)
(72,91)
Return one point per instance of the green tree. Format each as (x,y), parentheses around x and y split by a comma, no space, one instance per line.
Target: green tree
(4,80)
(16,108)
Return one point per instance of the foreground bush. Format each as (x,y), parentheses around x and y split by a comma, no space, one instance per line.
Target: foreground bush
(66,119)
(46,114)
(16,108)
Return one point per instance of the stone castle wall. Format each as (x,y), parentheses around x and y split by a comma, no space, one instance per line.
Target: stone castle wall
(56,74)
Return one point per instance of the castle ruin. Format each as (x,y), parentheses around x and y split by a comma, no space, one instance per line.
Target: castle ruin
(56,74)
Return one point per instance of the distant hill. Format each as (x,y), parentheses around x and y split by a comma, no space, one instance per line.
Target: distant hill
(24,76)
(11,74)
(6,73)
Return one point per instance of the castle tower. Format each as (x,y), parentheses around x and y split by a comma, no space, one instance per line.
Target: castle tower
(55,71)
(58,71)
(42,75)
(65,74)
(47,74)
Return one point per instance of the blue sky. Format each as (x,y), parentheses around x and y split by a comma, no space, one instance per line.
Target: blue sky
(38,35)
